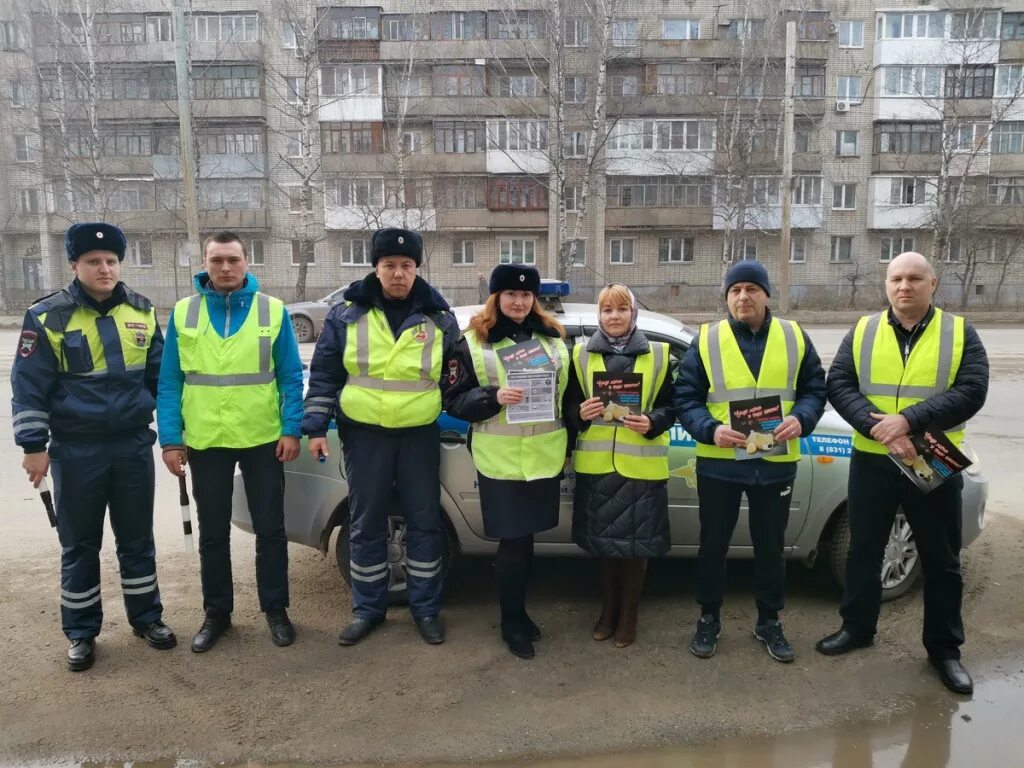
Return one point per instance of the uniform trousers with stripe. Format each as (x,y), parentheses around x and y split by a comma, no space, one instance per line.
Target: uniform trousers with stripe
(88,477)
(394,472)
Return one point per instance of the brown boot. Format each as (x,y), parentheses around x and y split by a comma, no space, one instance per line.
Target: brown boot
(634,571)
(611,594)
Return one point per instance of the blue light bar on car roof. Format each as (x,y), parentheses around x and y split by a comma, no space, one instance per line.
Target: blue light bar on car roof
(554,288)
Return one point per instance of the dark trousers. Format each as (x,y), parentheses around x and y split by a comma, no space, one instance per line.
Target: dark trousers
(394,472)
(87,478)
(213,475)
(768,507)
(512,568)
(876,489)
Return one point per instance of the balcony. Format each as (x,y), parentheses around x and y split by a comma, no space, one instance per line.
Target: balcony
(934,51)
(156,221)
(464,50)
(1011,50)
(657,162)
(659,104)
(908,107)
(518,161)
(883,214)
(658,218)
(466,107)
(898,163)
(340,217)
(768,217)
(349,50)
(359,108)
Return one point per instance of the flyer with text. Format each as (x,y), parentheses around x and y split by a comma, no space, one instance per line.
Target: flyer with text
(757,418)
(620,394)
(937,460)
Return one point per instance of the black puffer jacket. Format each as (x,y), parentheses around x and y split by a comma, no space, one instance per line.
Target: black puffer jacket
(615,516)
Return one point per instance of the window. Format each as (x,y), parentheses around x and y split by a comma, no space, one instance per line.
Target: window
(132,32)
(802,141)
(458,26)
(462,253)
(798,249)
(810,82)
(350,80)
(350,23)
(813,25)
(1008,137)
(461,192)
(848,89)
(844,197)
(240,194)
(620,250)
(511,135)
(970,137)
(291,33)
(351,138)
(906,190)
(575,90)
(355,252)
(293,144)
(658,192)
(518,85)
(17,91)
(247,143)
(624,32)
(973,25)
(29,201)
(140,253)
(158,29)
(183,253)
(406,28)
(571,198)
(346,192)
(1006,191)
(576,144)
(744,249)
(673,250)
(851,34)
(412,142)
(300,199)
(517,251)
(683,79)
(516,193)
(908,25)
(218,82)
(911,81)
(807,190)
(22,150)
(894,246)
(624,85)
(302,248)
(746,29)
(580,256)
(256,255)
(233,27)
(908,138)
(10,36)
(1013,26)
(663,134)
(1009,80)
(458,80)
(970,82)
(680,29)
(842,249)
(458,137)
(130,197)
(295,90)
(576,31)
(847,143)
(516,25)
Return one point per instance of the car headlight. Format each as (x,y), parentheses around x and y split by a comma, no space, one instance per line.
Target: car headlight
(970,453)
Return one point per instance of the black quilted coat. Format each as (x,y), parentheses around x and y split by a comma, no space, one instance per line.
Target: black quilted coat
(614,516)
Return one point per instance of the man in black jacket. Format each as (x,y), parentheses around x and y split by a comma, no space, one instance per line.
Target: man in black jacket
(907,369)
(748,353)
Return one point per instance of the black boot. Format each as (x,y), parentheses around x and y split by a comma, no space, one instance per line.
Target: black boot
(81,654)
(512,571)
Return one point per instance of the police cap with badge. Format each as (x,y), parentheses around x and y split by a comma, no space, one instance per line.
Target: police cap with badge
(396,242)
(514,277)
(94,236)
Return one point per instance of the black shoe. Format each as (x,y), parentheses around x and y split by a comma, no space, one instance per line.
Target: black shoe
(518,643)
(770,633)
(841,642)
(953,675)
(282,632)
(157,635)
(431,629)
(705,639)
(214,625)
(532,630)
(357,629)
(80,654)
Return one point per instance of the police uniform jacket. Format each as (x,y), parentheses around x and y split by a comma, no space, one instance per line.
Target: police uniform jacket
(66,397)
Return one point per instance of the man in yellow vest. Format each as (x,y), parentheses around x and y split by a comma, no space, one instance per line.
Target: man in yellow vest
(383,359)
(750,354)
(84,381)
(231,394)
(910,368)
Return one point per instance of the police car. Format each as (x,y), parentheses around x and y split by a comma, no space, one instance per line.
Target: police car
(316,494)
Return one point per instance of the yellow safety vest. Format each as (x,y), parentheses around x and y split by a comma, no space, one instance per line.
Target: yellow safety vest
(392,383)
(890,385)
(731,379)
(230,398)
(135,330)
(504,451)
(604,447)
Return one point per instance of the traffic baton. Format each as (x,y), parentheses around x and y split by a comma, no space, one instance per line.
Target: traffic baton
(44,494)
(186,515)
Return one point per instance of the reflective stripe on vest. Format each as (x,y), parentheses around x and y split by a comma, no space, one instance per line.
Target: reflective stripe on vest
(230,397)
(604,447)
(892,385)
(392,382)
(504,451)
(731,378)
(91,344)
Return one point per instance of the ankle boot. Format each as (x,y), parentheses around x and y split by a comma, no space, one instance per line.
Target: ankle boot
(611,595)
(632,584)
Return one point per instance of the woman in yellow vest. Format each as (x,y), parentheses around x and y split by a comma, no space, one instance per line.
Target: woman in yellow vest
(620,510)
(519,456)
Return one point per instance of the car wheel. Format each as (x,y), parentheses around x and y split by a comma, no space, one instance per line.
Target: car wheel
(901,565)
(397,587)
(303,327)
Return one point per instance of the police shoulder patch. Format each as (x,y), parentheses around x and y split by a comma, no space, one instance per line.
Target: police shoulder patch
(453,371)
(27,343)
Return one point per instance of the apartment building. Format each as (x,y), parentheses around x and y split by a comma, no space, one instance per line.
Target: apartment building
(648,151)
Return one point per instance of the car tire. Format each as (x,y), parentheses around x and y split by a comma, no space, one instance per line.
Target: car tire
(303,327)
(397,592)
(901,565)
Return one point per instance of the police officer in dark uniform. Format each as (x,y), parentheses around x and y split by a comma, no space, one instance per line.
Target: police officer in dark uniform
(382,363)
(84,381)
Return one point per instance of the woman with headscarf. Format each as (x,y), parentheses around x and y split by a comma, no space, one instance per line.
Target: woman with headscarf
(620,510)
(519,465)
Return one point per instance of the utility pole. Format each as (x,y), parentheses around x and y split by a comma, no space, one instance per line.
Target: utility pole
(787,168)
(186,148)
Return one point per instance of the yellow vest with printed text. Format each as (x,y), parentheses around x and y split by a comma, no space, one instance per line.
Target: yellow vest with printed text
(892,385)
(135,330)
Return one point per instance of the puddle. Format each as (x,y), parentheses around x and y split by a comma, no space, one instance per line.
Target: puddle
(939,731)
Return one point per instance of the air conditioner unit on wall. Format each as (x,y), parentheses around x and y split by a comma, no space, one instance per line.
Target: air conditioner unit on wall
(842,106)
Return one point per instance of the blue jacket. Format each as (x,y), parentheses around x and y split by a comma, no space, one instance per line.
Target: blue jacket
(287,364)
(692,387)
(68,404)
